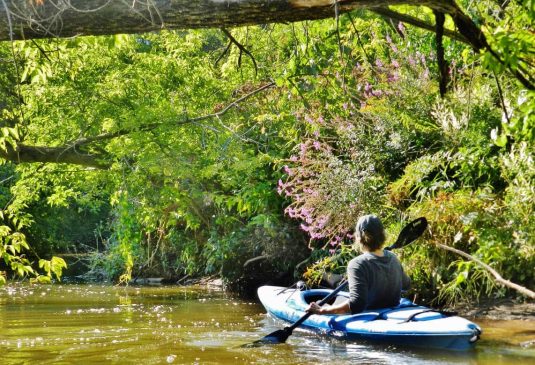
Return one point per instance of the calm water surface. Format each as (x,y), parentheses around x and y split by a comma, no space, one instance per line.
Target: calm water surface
(88,324)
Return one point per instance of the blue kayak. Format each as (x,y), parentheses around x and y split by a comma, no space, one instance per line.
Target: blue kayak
(407,324)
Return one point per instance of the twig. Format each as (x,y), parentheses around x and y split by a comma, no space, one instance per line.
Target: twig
(223,53)
(500,94)
(233,104)
(255,259)
(241,48)
(361,44)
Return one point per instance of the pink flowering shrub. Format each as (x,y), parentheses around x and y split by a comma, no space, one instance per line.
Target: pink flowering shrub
(330,185)
(354,146)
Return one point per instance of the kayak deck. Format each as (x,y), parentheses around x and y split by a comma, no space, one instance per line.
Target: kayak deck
(406,324)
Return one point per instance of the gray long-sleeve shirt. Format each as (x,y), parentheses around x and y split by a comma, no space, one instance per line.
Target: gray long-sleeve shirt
(375,281)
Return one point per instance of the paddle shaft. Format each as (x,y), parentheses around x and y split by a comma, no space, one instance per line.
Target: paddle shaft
(320,303)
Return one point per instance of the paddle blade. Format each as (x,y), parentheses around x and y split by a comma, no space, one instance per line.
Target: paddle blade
(279,336)
(410,232)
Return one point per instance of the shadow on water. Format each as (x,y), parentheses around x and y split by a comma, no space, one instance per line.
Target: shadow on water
(92,324)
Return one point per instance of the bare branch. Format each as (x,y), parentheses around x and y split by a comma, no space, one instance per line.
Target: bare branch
(241,48)
(497,276)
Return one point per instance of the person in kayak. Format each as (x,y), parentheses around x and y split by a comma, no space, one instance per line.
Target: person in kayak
(375,278)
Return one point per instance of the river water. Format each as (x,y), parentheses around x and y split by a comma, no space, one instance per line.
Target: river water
(93,324)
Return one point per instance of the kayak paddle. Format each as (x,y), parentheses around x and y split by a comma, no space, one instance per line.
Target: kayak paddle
(408,234)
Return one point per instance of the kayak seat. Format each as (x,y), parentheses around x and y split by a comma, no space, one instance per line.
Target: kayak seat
(315,298)
(309,297)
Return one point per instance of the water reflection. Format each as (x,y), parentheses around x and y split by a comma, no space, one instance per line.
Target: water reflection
(74,324)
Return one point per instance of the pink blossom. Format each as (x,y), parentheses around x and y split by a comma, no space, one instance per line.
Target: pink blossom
(303,148)
(395,63)
(293,158)
(316,145)
(378,63)
(426,74)
(287,170)
(321,222)
(377,93)
(304,227)
(393,77)
(401,27)
(280,187)
(306,211)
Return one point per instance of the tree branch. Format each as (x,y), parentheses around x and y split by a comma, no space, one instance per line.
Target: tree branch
(255,259)
(70,153)
(497,276)
(232,105)
(241,48)
(59,18)
(385,12)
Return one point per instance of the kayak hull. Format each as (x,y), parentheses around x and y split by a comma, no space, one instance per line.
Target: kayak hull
(405,325)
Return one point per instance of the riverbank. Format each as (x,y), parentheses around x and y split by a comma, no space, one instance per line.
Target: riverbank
(497,309)
(486,309)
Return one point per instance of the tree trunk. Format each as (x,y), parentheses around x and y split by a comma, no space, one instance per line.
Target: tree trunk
(61,18)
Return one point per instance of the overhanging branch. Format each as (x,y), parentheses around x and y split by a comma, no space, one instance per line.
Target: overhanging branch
(59,18)
(71,152)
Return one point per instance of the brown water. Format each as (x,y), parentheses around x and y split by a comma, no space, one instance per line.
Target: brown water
(88,324)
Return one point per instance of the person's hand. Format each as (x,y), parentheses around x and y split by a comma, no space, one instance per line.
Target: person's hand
(314,308)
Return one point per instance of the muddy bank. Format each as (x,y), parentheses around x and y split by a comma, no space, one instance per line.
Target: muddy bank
(497,309)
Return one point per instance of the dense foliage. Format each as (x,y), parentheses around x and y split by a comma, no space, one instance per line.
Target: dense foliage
(205,161)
